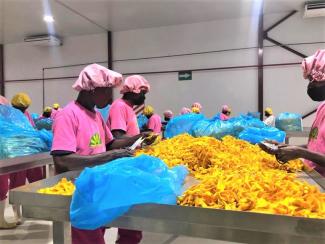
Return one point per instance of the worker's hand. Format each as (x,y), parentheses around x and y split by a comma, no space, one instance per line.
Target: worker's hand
(149,136)
(276,143)
(287,153)
(268,149)
(119,153)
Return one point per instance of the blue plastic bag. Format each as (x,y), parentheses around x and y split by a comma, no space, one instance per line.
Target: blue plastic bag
(215,128)
(289,122)
(105,192)
(47,137)
(11,115)
(34,116)
(218,128)
(182,124)
(16,141)
(256,115)
(257,135)
(45,123)
(142,121)
(242,122)
(217,116)
(18,137)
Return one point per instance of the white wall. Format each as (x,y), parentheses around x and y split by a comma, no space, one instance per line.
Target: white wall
(211,88)
(23,61)
(285,90)
(284,86)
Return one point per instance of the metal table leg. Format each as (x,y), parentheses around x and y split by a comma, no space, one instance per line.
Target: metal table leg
(61,232)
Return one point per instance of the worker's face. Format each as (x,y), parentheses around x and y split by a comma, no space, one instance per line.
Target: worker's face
(101,96)
(47,114)
(266,114)
(22,109)
(316,91)
(228,113)
(138,99)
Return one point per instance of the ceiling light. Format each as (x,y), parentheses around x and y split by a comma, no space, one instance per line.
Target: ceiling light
(48,18)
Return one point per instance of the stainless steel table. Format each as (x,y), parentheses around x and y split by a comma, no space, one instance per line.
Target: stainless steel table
(216,224)
(12,165)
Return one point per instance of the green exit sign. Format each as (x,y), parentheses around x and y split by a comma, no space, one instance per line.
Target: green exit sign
(185,75)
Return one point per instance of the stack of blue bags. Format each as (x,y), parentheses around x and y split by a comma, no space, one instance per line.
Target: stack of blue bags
(18,137)
(246,127)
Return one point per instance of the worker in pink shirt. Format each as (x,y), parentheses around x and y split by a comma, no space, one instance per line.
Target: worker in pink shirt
(225,112)
(4,187)
(3,100)
(196,108)
(55,110)
(122,121)
(185,110)
(81,137)
(168,115)
(22,101)
(314,151)
(47,112)
(154,120)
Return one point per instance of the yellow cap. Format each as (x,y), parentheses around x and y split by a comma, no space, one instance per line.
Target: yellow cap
(56,105)
(21,100)
(47,110)
(269,110)
(148,110)
(196,110)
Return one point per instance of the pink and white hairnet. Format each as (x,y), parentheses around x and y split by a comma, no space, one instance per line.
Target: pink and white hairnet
(226,108)
(135,84)
(168,114)
(185,110)
(4,101)
(94,76)
(314,66)
(197,105)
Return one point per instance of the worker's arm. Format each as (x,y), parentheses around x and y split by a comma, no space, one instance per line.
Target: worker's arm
(123,141)
(69,161)
(286,153)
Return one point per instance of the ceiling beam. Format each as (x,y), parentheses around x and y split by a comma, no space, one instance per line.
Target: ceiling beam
(79,14)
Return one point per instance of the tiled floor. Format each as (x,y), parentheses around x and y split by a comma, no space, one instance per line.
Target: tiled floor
(40,232)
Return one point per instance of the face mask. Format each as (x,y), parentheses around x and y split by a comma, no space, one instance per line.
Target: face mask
(140,100)
(316,92)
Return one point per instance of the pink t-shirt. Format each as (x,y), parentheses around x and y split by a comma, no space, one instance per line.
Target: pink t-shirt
(223,116)
(31,121)
(122,117)
(79,130)
(154,123)
(55,112)
(316,141)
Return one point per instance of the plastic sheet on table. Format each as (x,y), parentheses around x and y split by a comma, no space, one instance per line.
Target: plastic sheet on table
(108,191)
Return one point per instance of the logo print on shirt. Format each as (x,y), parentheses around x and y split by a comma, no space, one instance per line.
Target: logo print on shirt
(95,140)
(313,133)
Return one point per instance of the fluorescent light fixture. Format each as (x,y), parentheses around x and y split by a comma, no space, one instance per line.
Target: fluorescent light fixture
(48,18)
